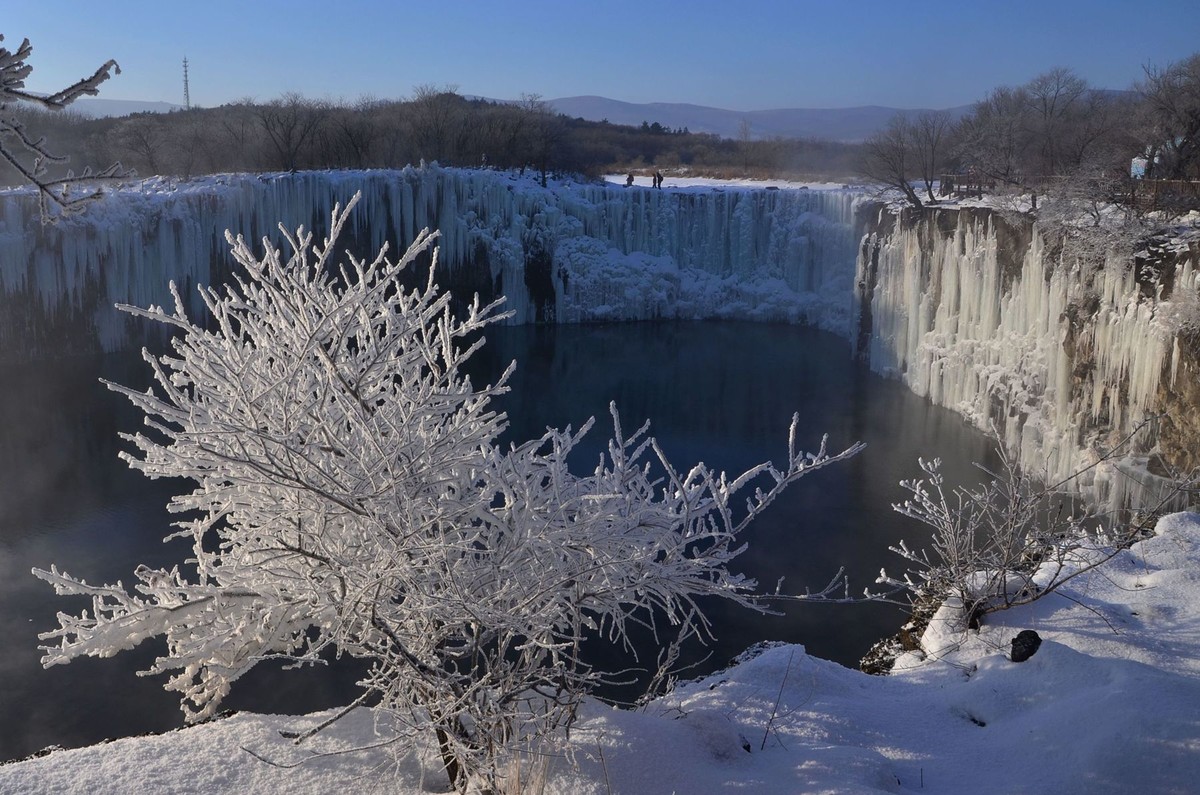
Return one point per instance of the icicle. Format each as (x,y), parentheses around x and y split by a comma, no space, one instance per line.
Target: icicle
(948,320)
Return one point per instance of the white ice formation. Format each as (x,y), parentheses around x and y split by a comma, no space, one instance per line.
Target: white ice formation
(1059,358)
(1063,360)
(570,253)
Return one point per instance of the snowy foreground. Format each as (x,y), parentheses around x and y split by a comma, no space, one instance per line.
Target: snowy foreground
(1109,704)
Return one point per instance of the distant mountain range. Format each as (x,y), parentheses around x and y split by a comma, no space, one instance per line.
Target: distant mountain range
(834,124)
(99,108)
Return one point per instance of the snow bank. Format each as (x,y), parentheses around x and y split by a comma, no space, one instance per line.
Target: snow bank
(1107,705)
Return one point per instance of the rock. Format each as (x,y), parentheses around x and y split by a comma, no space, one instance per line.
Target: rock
(1025,645)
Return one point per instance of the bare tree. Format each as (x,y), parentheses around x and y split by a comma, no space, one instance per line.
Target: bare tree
(143,138)
(354,132)
(438,124)
(194,145)
(237,127)
(543,130)
(930,134)
(1105,130)
(890,157)
(1054,99)
(395,144)
(291,124)
(745,138)
(30,155)
(994,138)
(503,135)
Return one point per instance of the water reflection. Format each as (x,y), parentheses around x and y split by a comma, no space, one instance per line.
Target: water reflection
(725,393)
(719,392)
(66,499)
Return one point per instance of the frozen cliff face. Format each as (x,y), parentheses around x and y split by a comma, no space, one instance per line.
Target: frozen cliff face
(567,253)
(1061,360)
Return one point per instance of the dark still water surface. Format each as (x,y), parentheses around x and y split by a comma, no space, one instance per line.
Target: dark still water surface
(723,393)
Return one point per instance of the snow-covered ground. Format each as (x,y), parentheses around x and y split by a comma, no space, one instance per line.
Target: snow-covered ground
(1110,703)
(676,182)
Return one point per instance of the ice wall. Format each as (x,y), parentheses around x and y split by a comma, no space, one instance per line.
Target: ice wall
(566,253)
(763,254)
(1062,360)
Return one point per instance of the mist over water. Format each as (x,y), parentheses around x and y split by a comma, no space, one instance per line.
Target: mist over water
(723,393)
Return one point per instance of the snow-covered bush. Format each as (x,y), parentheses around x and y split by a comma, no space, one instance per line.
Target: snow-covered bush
(350,494)
(1007,542)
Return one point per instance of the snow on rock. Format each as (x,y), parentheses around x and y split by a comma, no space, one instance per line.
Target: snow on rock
(1108,704)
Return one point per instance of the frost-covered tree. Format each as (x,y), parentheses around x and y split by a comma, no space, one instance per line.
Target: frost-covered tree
(28,154)
(1172,97)
(350,495)
(1010,540)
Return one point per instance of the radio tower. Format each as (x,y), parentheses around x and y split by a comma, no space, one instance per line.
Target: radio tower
(187,98)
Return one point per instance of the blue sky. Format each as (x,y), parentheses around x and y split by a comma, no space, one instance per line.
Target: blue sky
(743,55)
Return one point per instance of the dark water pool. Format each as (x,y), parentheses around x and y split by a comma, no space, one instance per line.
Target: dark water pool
(723,393)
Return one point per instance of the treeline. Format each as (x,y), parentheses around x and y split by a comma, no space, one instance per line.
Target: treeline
(293,132)
(1053,134)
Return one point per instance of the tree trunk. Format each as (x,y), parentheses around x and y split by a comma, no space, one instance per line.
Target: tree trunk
(454,770)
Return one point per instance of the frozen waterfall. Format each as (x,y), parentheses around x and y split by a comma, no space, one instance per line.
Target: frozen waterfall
(968,309)
(567,253)
(1062,360)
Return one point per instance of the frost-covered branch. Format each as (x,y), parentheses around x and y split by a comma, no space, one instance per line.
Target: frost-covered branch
(28,155)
